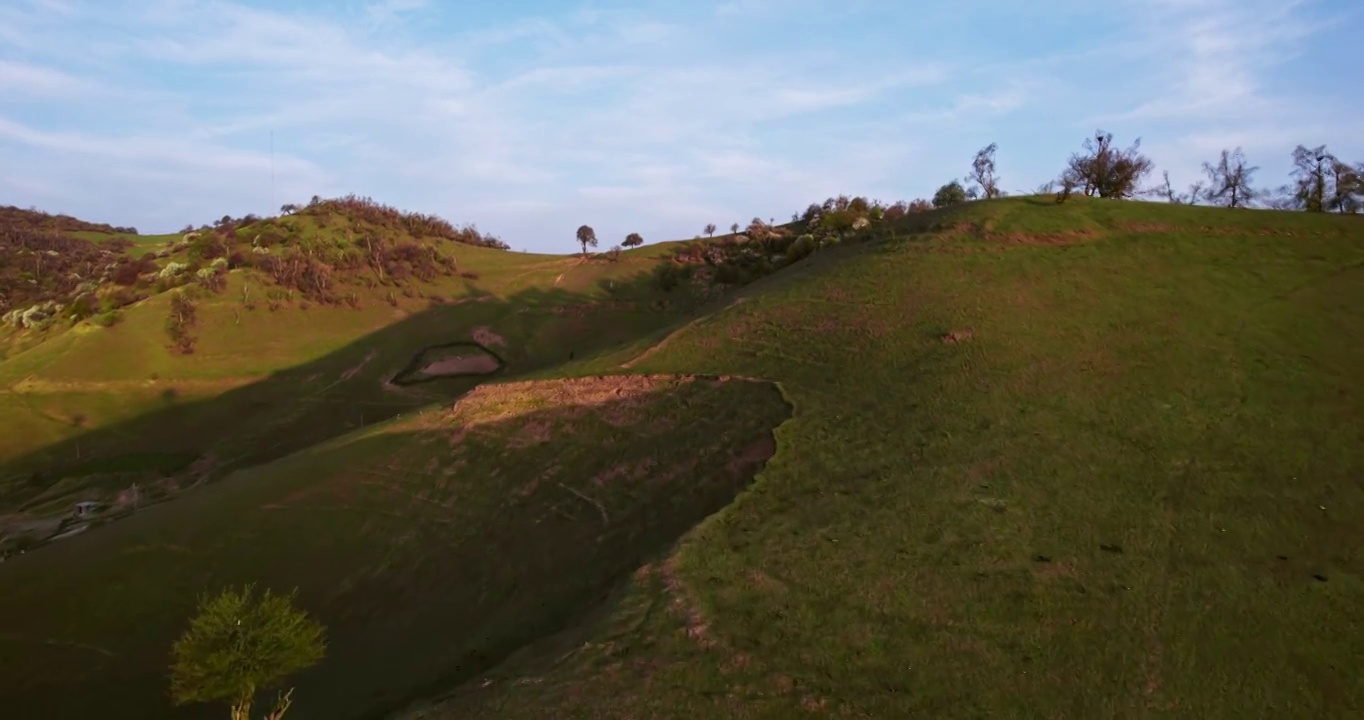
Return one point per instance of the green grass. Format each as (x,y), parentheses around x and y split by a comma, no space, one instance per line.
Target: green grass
(1128,486)
(541,521)
(141,243)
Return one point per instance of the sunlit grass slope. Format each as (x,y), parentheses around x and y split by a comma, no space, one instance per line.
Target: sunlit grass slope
(1095,460)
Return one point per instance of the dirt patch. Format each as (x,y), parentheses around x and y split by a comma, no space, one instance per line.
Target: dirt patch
(484,335)
(755,455)
(956,336)
(451,360)
(1147,227)
(1070,237)
(462,365)
(626,394)
(697,627)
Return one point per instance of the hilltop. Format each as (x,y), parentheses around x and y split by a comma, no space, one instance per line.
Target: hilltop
(1010,458)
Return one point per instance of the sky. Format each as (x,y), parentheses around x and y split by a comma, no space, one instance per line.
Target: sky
(529,118)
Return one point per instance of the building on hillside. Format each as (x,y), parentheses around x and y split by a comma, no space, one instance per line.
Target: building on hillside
(86,508)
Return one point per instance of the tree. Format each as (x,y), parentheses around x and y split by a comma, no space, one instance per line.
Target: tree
(587,236)
(238,644)
(1166,191)
(1105,171)
(1312,174)
(1229,181)
(734,229)
(950,194)
(710,229)
(1348,181)
(983,172)
(633,240)
(288,209)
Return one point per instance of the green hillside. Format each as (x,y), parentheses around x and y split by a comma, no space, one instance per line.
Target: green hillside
(1010,459)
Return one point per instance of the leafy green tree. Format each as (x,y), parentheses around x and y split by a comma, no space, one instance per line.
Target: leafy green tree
(587,236)
(238,644)
(633,240)
(950,194)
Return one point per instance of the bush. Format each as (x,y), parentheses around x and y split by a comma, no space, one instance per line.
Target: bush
(108,319)
(801,248)
(950,194)
(238,644)
(669,275)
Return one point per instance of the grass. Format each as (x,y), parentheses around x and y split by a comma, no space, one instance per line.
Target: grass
(540,520)
(1091,460)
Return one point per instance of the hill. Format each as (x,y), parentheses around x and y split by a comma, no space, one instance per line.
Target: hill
(1097,459)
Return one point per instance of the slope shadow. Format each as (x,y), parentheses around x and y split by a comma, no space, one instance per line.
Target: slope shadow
(340,392)
(431,550)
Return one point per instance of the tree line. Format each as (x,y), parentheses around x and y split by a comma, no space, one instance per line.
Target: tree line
(1319,182)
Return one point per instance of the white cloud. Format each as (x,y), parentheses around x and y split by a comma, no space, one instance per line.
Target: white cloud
(25,79)
(652,121)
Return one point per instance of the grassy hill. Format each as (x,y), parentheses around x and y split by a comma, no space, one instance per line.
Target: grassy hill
(1099,459)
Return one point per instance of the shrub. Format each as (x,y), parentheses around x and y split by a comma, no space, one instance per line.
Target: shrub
(670,275)
(179,320)
(950,194)
(801,248)
(238,644)
(108,319)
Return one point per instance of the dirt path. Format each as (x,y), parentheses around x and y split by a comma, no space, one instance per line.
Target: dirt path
(40,387)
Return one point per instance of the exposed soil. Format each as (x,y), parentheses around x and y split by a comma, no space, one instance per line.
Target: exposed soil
(484,335)
(462,365)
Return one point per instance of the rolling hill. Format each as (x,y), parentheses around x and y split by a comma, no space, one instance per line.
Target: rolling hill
(1006,459)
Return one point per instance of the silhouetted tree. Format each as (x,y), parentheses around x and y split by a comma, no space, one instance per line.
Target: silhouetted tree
(586,236)
(1312,178)
(1348,190)
(983,171)
(633,240)
(1229,181)
(288,209)
(950,194)
(1104,170)
(1167,192)
(710,229)
(734,229)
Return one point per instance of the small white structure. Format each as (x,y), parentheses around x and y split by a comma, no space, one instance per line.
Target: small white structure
(86,508)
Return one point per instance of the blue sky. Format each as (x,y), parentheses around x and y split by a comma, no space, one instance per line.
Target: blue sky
(530,118)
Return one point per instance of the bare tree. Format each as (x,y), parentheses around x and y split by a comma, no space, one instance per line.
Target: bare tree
(1312,176)
(710,229)
(983,172)
(1167,192)
(587,236)
(1229,181)
(1105,171)
(1348,182)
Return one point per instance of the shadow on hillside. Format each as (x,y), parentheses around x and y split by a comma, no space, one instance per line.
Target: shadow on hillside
(430,554)
(191,441)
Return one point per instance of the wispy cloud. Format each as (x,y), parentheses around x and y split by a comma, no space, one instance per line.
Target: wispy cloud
(655,119)
(20,79)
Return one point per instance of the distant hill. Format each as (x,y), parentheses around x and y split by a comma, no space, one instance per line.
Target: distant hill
(1009,458)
